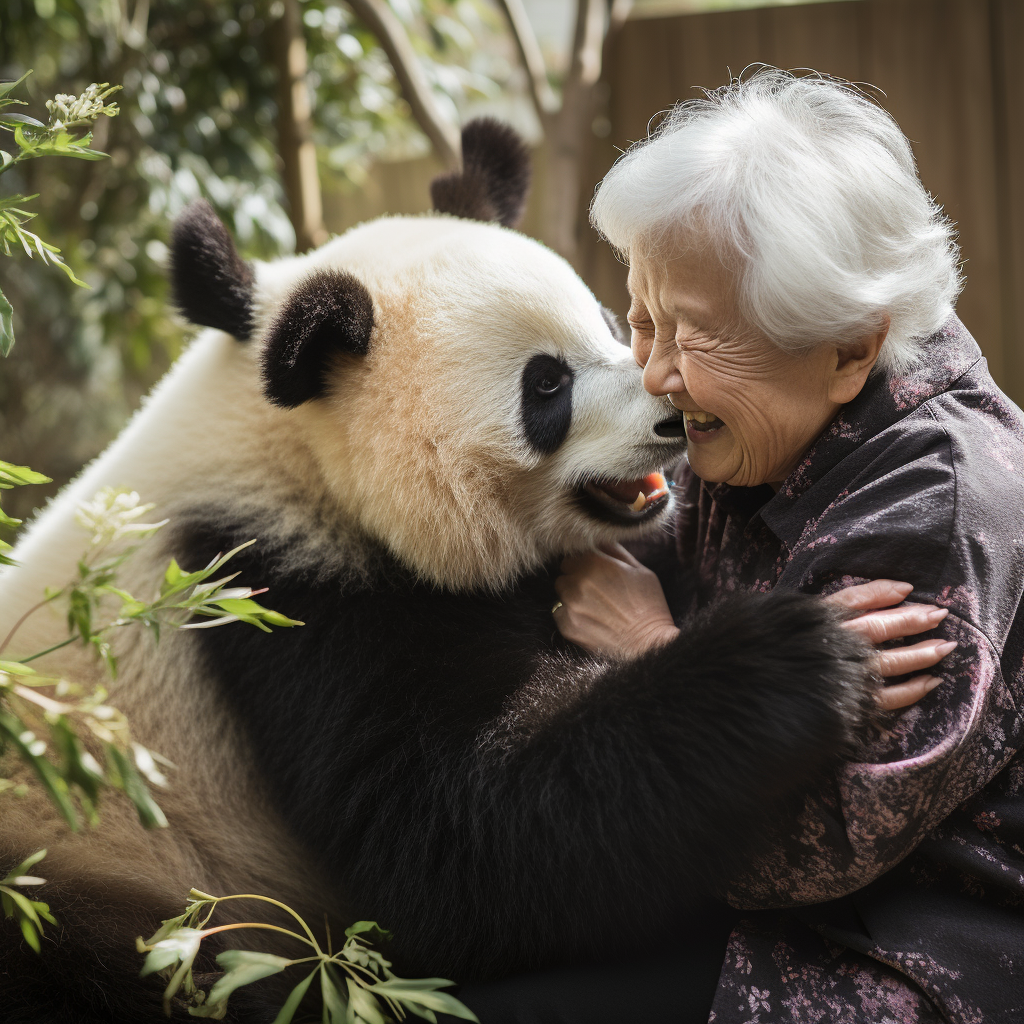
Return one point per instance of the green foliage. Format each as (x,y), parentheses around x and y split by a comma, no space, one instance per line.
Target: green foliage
(14,476)
(356,986)
(43,729)
(43,719)
(68,115)
(30,914)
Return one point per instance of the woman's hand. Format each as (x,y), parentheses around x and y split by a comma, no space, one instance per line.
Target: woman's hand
(609,603)
(881,621)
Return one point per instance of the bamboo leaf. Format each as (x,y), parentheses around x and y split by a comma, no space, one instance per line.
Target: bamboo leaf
(29,862)
(6,325)
(17,476)
(243,967)
(181,945)
(8,87)
(11,120)
(291,1004)
(173,573)
(25,905)
(25,145)
(422,991)
(56,787)
(370,930)
(335,1009)
(363,1005)
(31,933)
(84,154)
(135,789)
(43,910)
(15,668)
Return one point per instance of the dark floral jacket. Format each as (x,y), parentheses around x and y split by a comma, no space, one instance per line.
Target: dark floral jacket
(904,877)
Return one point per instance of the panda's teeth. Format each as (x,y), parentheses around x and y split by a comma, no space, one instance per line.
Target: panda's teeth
(641,500)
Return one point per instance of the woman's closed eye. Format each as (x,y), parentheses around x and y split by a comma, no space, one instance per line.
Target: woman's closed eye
(645,327)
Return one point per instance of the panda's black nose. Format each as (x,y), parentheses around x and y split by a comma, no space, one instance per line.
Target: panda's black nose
(675,427)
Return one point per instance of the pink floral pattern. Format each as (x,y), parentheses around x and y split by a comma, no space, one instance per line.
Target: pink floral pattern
(904,874)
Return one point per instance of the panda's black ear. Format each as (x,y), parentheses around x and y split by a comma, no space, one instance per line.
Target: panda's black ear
(210,283)
(495,175)
(329,313)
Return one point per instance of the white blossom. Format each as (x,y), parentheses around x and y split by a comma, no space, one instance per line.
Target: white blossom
(112,514)
(68,110)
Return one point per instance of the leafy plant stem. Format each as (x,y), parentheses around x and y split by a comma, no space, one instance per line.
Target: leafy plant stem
(348,966)
(14,629)
(266,899)
(55,647)
(261,925)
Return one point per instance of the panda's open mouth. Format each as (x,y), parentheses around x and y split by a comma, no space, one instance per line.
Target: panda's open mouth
(625,501)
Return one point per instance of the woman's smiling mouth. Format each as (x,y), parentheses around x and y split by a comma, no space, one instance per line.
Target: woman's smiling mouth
(701,426)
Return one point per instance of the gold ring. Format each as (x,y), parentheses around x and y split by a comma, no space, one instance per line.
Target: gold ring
(555,607)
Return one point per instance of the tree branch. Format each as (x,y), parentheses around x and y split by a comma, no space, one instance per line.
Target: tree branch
(381,21)
(544,100)
(618,13)
(569,130)
(294,136)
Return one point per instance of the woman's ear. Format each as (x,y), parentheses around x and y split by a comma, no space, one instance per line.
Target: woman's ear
(853,364)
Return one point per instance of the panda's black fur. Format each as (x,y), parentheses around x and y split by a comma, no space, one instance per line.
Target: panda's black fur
(329,313)
(210,283)
(447,765)
(504,802)
(494,179)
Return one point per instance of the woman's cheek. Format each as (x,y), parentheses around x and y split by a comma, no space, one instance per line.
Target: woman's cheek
(756,437)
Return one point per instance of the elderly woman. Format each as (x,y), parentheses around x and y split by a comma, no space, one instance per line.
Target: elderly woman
(792,287)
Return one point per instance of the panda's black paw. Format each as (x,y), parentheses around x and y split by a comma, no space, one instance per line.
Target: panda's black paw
(815,679)
(770,689)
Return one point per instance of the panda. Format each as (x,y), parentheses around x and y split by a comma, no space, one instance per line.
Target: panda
(415,421)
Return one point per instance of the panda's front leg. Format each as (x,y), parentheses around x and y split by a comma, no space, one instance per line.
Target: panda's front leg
(607,798)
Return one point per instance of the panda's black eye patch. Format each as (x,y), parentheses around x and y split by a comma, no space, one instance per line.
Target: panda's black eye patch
(546,402)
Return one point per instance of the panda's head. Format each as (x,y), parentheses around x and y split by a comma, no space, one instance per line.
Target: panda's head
(464,395)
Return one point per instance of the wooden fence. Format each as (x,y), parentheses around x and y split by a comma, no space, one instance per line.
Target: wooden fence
(952,75)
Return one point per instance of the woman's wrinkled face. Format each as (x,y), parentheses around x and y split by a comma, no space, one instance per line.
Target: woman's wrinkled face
(752,410)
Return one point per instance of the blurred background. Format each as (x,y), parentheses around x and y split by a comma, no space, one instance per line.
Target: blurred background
(299,119)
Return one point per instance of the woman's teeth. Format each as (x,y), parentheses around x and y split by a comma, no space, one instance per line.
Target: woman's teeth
(702,418)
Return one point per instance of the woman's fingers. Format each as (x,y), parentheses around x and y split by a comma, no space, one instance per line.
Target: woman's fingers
(880,622)
(868,596)
(901,695)
(895,623)
(902,660)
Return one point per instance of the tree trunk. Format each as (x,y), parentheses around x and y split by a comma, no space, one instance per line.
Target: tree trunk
(294,136)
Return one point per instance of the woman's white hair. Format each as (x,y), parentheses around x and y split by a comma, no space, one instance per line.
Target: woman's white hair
(809,189)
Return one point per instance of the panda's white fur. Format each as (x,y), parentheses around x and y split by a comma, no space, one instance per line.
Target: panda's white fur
(445,294)
(416,449)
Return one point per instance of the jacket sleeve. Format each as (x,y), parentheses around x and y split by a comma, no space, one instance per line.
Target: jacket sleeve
(873,811)
(923,521)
